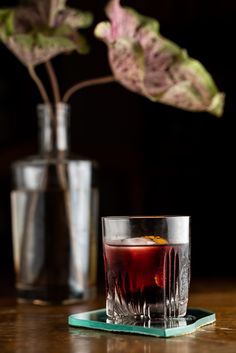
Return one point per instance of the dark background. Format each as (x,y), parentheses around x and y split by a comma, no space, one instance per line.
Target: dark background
(153,159)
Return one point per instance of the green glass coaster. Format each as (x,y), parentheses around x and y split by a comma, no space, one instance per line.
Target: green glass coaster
(98,320)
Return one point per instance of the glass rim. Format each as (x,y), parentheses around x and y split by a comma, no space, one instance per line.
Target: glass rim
(125,218)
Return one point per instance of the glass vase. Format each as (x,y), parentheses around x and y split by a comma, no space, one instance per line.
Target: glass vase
(54,217)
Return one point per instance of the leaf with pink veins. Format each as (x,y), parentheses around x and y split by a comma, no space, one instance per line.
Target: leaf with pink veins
(149,64)
(43,30)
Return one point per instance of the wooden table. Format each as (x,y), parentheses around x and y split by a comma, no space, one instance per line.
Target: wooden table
(33,329)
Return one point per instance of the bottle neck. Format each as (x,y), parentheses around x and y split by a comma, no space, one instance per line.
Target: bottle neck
(54,129)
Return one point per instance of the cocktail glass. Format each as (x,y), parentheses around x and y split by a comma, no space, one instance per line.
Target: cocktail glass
(147,267)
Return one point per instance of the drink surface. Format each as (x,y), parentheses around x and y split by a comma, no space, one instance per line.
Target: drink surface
(141,276)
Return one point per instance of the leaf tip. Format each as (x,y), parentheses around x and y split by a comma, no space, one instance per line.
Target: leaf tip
(102,30)
(217,105)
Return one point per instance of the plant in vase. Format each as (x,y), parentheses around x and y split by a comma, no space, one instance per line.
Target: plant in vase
(54,202)
(55,196)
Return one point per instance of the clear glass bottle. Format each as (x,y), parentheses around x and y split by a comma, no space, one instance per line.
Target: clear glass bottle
(54,218)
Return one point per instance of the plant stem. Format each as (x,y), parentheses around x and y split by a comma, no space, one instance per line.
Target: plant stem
(39,84)
(87,83)
(54,82)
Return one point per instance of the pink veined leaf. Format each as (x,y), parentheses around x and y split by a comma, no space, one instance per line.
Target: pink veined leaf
(30,54)
(49,9)
(147,63)
(42,30)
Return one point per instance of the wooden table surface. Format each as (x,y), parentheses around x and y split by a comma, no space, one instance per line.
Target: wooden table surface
(34,329)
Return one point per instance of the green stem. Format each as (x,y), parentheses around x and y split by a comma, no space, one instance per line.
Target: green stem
(87,83)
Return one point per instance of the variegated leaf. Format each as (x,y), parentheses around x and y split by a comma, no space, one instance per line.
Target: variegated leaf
(42,30)
(75,18)
(167,74)
(34,51)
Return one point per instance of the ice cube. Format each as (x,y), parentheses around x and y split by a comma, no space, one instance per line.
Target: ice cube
(137,241)
(144,240)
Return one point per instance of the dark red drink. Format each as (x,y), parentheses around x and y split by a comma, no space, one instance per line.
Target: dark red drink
(146,280)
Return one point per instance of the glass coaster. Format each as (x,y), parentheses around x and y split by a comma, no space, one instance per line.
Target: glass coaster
(98,320)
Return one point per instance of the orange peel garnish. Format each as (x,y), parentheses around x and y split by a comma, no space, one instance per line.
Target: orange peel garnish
(157,239)
(159,280)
